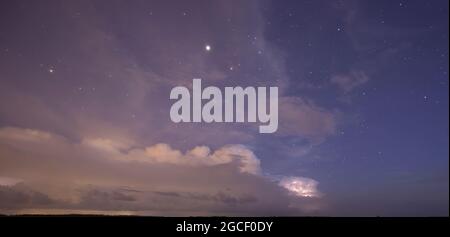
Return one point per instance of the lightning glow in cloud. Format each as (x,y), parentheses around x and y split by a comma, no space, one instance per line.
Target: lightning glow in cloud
(299,186)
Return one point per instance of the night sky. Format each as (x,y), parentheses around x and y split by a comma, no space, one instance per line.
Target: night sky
(363,107)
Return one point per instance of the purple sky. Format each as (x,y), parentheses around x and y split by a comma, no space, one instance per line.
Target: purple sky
(363,107)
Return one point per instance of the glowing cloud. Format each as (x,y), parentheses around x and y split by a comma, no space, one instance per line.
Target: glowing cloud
(299,186)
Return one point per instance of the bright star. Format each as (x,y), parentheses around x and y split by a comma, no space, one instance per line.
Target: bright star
(208,47)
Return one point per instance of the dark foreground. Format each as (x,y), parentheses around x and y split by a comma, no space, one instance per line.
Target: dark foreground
(62,225)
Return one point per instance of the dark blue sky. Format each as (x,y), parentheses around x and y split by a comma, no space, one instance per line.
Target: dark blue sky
(392,146)
(363,107)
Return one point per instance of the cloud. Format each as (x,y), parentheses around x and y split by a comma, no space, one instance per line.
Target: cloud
(350,81)
(8,181)
(132,76)
(303,187)
(101,174)
(164,154)
(198,156)
(102,122)
(18,197)
(299,117)
(17,134)
(104,144)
